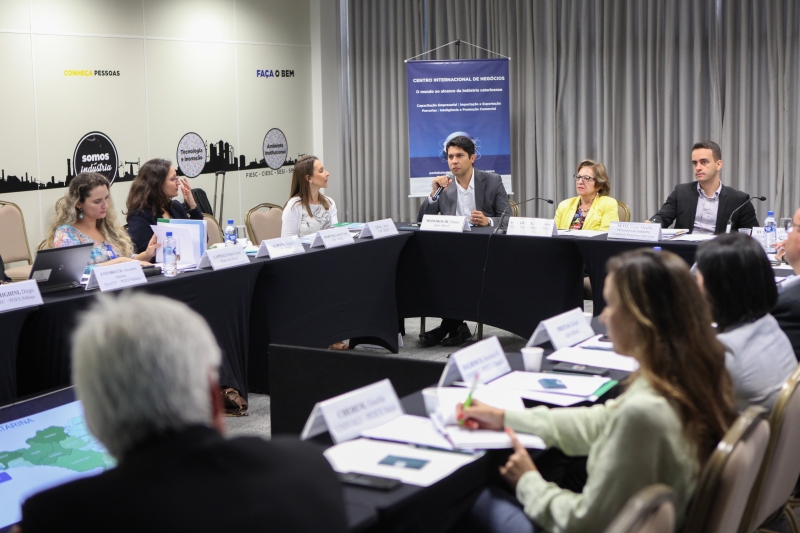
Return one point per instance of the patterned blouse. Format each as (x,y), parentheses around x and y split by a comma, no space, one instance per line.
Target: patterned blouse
(578,219)
(101,252)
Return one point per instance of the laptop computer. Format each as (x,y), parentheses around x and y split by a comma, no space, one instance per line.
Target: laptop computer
(57,269)
(54,422)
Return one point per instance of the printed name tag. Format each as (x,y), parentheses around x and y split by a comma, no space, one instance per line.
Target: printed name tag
(19,295)
(539,227)
(635,231)
(331,238)
(564,330)
(226,257)
(280,247)
(444,223)
(347,415)
(378,229)
(758,234)
(485,358)
(115,277)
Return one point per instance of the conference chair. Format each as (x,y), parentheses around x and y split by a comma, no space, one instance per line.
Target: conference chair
(651,510)
(781,468)
(14,241)
(729,475)
(624,212)
(262,225)
(514,208)
(214,231)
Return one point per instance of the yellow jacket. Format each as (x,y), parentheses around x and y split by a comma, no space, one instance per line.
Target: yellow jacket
(602,213)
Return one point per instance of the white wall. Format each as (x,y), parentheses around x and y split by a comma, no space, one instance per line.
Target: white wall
(185,66)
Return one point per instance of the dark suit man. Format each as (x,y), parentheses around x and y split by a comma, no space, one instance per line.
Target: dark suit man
(704,206)
(476,194)
(787,310)
(149,392)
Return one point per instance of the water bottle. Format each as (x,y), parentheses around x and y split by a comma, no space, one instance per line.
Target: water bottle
(770,230)
(230,234)
(170,250)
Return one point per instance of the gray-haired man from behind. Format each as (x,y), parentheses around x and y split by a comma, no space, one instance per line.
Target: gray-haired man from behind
(145,370)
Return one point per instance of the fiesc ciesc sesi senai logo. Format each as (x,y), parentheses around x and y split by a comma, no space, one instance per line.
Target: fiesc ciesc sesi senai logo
(95,152)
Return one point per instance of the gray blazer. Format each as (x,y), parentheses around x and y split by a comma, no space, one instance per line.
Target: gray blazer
(490,197)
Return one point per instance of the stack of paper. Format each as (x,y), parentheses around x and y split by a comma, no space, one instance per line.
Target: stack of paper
(573,388)
(595,357)
(581,232)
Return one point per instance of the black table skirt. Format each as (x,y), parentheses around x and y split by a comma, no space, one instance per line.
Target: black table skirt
(598,250)
(10,325)
(325,296)
(527,279)
(222,298)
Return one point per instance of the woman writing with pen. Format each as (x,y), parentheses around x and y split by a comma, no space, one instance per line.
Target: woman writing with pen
(676,408)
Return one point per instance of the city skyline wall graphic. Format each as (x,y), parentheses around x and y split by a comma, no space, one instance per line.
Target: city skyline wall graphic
(221,157)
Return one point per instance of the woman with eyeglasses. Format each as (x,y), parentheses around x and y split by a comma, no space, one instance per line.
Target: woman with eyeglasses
(593,208)
(152,197)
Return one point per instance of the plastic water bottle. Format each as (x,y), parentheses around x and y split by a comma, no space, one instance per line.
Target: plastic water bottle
(770,230)
(170,248)
(230,234)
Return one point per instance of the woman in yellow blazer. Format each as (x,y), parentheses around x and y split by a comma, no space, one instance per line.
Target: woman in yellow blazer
(593,208)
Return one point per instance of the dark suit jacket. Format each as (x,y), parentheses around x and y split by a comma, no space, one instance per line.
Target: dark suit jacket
(490,197)
(3,276)
(197,481)
(139,223)
(681,207)
(787,313)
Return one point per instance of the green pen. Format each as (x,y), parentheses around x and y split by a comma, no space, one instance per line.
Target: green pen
(468,401)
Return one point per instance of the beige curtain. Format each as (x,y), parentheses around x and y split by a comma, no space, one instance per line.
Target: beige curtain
(630,83)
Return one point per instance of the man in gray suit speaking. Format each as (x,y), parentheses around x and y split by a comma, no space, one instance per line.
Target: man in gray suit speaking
(476,194)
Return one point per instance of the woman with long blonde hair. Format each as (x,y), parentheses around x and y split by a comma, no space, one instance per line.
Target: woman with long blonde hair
(86,214)
(662,429)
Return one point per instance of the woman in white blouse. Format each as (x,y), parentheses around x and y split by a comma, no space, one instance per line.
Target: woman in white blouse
(308,210)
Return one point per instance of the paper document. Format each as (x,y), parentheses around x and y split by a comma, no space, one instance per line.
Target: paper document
(581,232)
(594,343)
(561,400)
(691,237)
(410,429)
(572,385)
(486,439)
(183,236)
(364,456)
(672,232)
(449,397)
(603,359)
(308,239)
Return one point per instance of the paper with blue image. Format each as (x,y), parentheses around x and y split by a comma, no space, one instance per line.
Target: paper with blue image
(450,98)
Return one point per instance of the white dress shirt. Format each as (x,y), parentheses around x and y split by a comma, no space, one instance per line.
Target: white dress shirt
(705,218)
(466,199)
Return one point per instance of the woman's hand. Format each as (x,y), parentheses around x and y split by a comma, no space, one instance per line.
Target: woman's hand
(480,416)
(150,252)
(518,462)
(186,190)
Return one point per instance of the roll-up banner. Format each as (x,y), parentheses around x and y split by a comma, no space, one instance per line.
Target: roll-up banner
(450,98)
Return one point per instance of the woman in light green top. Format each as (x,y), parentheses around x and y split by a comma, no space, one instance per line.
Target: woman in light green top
(675,410)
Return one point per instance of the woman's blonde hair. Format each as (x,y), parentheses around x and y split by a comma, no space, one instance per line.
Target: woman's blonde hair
(600,176)
(67,212)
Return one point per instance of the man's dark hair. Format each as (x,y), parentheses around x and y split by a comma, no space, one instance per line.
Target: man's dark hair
(716,151)
(738,279)
(465,143)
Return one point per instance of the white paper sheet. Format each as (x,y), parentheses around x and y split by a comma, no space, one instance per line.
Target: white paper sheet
(694,237)
(594,343)
(449,397)
(485,439)
(581,232)
(183,235)
(603,359)
(561,400)
(410,429)
(583,386)
(364,455)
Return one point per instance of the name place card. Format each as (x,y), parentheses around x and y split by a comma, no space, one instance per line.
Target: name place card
(453,224)
(280,247)
(19,295)
(564,330)
(225,257)
(485,358)
(115,277)
(758,234)
(379,228)
(333,237)
(347,415)
(635,231)
(538,227)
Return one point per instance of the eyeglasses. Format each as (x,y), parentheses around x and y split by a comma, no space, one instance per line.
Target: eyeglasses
(587,179)
(174,179)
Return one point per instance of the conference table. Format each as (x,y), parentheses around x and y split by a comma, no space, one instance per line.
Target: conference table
(359,292)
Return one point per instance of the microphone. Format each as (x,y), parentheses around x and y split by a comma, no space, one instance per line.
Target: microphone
(502,216)
(749,199)
(440,189)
